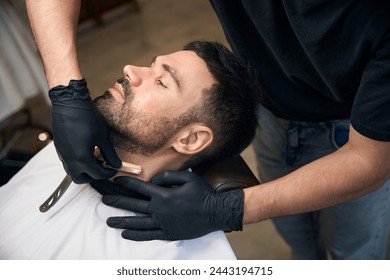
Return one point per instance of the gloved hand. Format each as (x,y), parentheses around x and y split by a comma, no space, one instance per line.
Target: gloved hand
(77,128)
(189,209)
(106,187)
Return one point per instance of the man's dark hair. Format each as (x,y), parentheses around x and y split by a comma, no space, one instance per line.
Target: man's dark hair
(230,106)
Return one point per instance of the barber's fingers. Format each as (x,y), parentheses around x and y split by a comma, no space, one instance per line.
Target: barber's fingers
(94,170)
(169,178)
(127,203)
(97,172)
(81,178)
(109,154)
(106,187)
(137,228)
(139,186)
(144,235)
(134,222)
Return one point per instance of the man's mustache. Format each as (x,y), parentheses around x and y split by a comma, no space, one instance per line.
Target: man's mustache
(125,85)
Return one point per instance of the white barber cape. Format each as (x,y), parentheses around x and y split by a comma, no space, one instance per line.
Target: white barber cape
(75,228)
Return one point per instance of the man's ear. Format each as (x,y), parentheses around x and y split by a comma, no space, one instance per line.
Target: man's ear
(193,139)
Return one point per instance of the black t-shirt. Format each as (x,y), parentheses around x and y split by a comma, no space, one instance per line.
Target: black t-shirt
(317,60)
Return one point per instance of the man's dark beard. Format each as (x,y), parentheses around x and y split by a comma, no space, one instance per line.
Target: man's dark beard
(133,131)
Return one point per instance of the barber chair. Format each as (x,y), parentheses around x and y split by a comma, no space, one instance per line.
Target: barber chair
(14,130)
(227,174)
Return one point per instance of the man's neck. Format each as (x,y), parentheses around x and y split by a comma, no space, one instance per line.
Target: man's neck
(152,165)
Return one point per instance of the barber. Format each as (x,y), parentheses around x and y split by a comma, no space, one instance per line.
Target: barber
(325,69)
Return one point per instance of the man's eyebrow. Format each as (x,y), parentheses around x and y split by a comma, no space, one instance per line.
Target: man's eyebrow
(170,70)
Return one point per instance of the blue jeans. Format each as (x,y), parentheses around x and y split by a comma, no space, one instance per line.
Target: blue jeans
(354,230)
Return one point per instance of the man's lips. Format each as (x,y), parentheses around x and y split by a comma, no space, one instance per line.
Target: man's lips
(117,92)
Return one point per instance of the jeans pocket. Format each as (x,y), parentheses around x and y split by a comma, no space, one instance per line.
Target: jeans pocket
(340,133)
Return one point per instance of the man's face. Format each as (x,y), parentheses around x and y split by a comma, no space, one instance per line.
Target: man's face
(149,105)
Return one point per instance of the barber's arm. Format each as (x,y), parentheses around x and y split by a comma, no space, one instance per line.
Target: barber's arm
(77,126)
(54,24)
(193,208)
(359,167)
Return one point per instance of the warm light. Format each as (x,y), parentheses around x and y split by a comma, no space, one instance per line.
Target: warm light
(43,136)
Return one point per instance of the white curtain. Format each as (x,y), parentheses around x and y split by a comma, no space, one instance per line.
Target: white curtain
(21,72)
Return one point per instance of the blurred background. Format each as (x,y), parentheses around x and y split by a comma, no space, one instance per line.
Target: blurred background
(111,34)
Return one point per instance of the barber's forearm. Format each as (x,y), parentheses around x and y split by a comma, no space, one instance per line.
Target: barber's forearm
(341,176)
(54,24)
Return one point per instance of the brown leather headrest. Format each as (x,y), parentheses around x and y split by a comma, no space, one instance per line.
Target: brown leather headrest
(227,174)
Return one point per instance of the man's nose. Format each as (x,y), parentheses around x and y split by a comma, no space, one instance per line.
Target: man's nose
(135,74)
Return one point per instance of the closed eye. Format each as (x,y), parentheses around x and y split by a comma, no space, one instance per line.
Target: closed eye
(160,83)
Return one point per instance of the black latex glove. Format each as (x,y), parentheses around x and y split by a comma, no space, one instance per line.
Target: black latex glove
(189,209)
(77,128)
(106,187)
